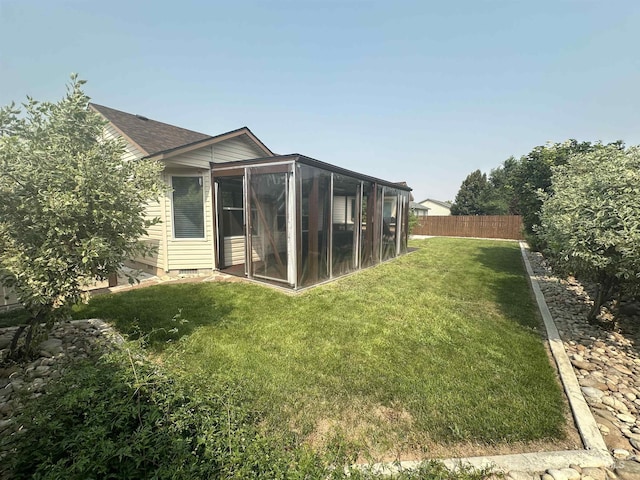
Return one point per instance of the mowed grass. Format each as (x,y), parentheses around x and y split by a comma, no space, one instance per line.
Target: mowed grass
(441,345)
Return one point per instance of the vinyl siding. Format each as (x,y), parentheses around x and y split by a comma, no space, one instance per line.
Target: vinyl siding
(240,148)
(233,250)
(154,237)
(187,254)
(342,210)
(131,152)
(435,209)
(199,158)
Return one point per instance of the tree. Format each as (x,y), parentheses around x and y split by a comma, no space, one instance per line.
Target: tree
(498,197)
(590,219)
(72,210)
(468,201)
(533,174)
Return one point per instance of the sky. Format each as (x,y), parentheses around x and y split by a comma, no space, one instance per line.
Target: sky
(418,91)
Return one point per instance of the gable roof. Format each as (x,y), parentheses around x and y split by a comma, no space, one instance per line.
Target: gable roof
(437,202)
(417,206)
(150,135)
(162,140)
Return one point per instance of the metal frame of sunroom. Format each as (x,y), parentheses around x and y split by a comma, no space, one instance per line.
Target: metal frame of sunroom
(308,221)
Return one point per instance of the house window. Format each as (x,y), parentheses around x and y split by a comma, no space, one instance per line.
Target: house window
(188,207)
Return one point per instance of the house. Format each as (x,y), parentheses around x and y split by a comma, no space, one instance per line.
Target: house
(436,207)
(236,206)
(418,209)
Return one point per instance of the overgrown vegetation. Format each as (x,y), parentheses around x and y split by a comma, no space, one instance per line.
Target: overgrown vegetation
(439,346)
(513,187)
(126,417)
(590,221)
(72,210)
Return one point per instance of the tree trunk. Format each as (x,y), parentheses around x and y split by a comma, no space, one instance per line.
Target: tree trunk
(604,291)
(22,352)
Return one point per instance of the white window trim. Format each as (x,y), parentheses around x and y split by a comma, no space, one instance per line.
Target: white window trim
(204,210)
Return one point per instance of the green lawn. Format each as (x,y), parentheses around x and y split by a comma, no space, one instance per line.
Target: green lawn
(441,345)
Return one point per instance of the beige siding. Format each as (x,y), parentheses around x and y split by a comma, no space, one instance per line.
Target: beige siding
(342,209)
(261,244)
(154,237)
(436,209)
(131,152)
(240,148)
(233,250)
(187,254)
(197,158)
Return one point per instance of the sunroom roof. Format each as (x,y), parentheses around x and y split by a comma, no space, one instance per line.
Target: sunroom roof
(298,158)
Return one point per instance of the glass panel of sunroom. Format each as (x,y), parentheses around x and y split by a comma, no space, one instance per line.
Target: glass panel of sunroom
(268,203)
(389,223)
(367,221)
(346,223)
(314,225)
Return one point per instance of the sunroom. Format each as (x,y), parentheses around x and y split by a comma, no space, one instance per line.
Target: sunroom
(296,222)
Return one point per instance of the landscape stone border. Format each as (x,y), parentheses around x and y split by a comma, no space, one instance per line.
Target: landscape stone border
(558,464)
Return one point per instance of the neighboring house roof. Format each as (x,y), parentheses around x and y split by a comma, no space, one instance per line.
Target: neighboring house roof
(417,206)
(162,139)
(437,202)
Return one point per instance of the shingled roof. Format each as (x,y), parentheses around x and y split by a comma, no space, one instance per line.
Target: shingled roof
(151,136)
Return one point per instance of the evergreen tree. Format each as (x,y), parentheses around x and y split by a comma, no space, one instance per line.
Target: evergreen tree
(469,199)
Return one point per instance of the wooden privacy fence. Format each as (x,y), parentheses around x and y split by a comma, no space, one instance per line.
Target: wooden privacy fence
(480,226)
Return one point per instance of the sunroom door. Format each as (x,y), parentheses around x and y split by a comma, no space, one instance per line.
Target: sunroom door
(231,221)
(269,203)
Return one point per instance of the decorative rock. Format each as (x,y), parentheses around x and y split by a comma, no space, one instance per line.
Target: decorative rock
(626,418)
(615,404)
(52,347)
(620,453)
(572,473)
(628,470)
(564,474)
(42,370)
(592,392)
(582,365)
(595,473)
(622,369)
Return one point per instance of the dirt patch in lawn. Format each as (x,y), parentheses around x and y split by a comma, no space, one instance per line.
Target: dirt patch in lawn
(386,434)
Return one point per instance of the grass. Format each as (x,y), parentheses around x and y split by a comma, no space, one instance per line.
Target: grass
(441,345)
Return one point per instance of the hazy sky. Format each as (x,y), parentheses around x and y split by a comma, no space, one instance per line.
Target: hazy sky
(423,91)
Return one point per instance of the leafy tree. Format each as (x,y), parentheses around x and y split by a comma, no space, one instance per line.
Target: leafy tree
(533,174)
(72,210)
(469,199)
(498,197)
(590,219)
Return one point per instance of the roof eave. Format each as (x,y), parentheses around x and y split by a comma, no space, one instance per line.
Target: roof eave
(167,154)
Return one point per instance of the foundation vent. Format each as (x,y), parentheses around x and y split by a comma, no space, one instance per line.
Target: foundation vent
(189,271)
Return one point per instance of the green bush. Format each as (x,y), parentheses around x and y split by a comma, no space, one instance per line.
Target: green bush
(124,417)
